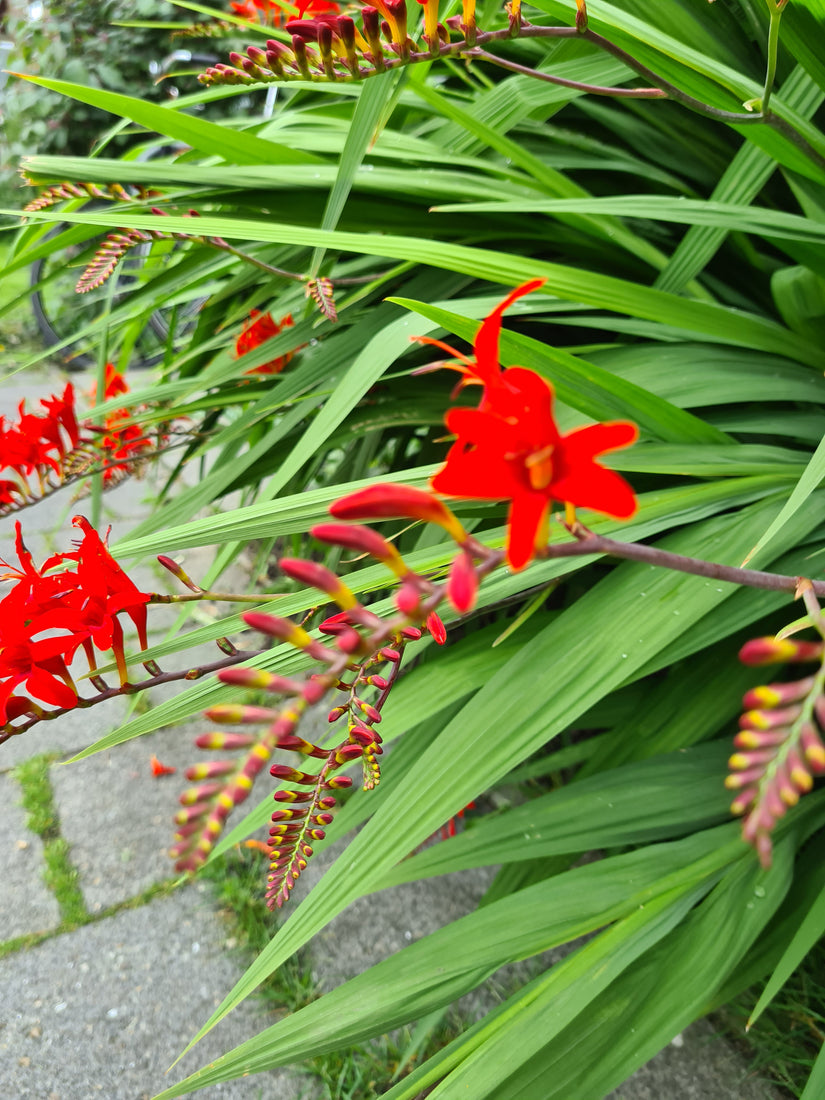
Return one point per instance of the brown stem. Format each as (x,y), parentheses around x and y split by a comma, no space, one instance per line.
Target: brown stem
(672,90)
(577,85)
(590,543)
(7,732)
(783,127)
(224,246)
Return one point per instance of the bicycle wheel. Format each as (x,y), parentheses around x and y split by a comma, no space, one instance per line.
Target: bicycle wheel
(62,314)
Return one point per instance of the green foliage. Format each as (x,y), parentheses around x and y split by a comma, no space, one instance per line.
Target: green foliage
(59,874)
(682,252)
(76,41)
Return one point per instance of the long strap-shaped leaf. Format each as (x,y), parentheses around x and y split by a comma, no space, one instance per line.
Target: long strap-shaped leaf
(235,146)
(590,288)
(541,690)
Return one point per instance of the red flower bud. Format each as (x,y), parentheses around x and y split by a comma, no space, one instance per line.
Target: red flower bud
(213,770)
(318,576)
(363,540)
(388,501)
(228,741)
(177,571)
(436,628)
(235,714)
(283,771)
(769,651)
(462,584)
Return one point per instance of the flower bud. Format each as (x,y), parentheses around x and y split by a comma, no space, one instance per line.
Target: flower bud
(199,794)
(290,743)
(233,714)
(370,711)
(287,631)
(177,571)
(769,651)
(318,576)
(812,748)
(349,641)
(769,719)
(339,782)
(772,695)
(213,770)
(293,796)
(363,540)
(389,501)
(259,680)
(283,771)
(228,741)
(288,814)
(436,628)
(462,584)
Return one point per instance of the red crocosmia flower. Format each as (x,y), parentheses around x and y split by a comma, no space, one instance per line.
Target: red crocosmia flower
(107,592)
(510,448)
(120,442)
(159,769)
(50,613)
(272,14)
(259,328)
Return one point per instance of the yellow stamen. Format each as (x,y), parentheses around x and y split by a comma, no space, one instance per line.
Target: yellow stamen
(540,467)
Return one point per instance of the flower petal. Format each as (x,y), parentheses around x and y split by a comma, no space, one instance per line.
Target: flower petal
(526,519)
(487,337)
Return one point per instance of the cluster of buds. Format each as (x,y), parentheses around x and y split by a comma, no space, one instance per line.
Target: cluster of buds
(332,47)
(67,190)
(360,654)
(117,244)
(779,746)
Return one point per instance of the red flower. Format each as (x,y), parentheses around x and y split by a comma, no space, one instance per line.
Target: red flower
(120,442)
(47,616)
(510,448)
(107,591)
(37,444)
(256,331)
(159,769)
(272,14)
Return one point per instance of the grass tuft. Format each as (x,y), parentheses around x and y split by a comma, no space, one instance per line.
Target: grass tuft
(60,875)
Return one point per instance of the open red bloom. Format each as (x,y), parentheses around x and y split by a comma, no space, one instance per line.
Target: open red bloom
(121,443)
(510,448)
(256,331)
(272,14)
(48,615)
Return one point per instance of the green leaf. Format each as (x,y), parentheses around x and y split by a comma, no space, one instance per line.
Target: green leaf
(208,137)
(563,671)
(811,479)
(434,970)
(809,932)
(628,805)
(588,287)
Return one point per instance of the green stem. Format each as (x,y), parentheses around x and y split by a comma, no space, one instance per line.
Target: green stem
(217,597)
(773,49)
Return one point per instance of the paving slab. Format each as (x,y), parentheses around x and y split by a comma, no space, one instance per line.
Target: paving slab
(105,1010)
(26,905)
(117,816)
(696,1065)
